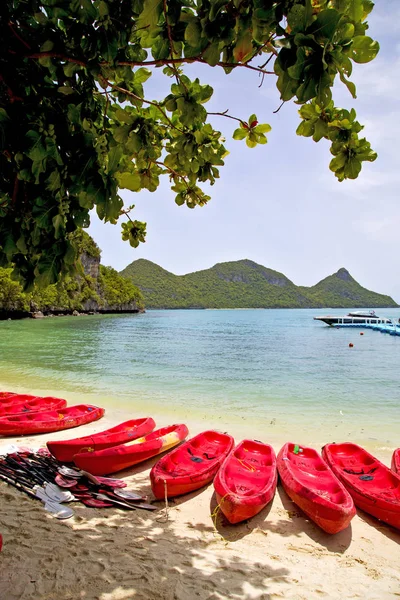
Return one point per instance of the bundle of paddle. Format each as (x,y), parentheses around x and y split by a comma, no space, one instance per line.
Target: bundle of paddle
(41,476)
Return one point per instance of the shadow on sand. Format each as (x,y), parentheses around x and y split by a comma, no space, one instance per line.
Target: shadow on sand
(295,523)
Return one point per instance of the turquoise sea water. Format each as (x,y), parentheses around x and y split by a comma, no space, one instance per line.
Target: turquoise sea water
(274,371)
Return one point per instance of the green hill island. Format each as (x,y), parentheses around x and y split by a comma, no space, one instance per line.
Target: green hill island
(246,284)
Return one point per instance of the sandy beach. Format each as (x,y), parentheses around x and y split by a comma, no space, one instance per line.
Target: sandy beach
(183,553)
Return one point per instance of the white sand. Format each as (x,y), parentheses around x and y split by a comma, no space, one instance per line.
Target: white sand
(112,554)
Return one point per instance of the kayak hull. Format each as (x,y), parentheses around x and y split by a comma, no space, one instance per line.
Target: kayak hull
(191,466)
(246,481)
(8,400)
(396,461)
(34,405)
(309,482)
(65,450)
(124,456)
(373,486)
(6,395)
(49,421)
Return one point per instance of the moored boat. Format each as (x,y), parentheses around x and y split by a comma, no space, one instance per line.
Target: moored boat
(373,486)
(396,461)
(49,421)
(355,319)
(38,404)
(191,466)
(310,483)
(64,450)
(127,455)
(246,481)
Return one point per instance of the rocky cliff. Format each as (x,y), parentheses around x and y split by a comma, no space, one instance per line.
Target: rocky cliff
(96,289)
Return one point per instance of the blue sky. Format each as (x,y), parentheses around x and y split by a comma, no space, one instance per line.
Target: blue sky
(279,204)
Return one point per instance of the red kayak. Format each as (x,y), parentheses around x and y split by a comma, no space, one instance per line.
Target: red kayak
(310,483)
(5,395)
(373,486)
(396,461)
(124,456)
(29,406)
(65,450)
(49,421)
(192,465)
(246,481)
(11,399)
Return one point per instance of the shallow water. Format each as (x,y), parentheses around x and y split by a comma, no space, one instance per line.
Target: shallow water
(277,373)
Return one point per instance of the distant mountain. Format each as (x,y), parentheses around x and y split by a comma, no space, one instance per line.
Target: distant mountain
(246,284)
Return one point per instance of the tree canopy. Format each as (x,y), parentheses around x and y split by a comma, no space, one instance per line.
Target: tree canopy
(76,125)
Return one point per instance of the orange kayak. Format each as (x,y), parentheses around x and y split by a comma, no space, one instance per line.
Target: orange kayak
(373,486)
(127,455)
(192,465)
(310,483)
(48,421)
(246,481)
(22,406)
(65,450)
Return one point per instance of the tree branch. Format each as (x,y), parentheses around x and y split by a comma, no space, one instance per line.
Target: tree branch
(59,55)
(225,114)
(176,174)
(11,26)
(11,95)
(157,63)
(132,95)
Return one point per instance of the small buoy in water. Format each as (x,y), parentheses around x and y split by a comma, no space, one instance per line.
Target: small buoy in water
(361,333)
(351,345)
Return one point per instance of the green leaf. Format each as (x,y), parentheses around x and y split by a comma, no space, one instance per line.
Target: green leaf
(338,162)
(114,157)
(59,225)
(53,182)
(47,46)
(130,181)
(244,48)
(263,128)
(352,168)
(306,129)
(320,130)
(239,134)
(325,24)
(364,49)
(193,33)
(66,90)
(349,84)
(142,75)
(103,9)
(121,133)
(212,54)
(356,10)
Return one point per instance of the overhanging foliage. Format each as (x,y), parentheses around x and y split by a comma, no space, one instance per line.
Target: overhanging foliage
(76,125)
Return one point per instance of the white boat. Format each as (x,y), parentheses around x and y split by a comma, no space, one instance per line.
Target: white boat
(360,317)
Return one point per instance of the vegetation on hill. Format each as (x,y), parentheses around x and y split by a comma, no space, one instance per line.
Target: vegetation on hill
(76,124)
(340,289)
(245,284)
(95,288)
(109,291)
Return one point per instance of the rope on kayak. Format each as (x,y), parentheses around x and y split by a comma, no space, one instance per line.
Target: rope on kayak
(215,512)
(248,467)
(166,517)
